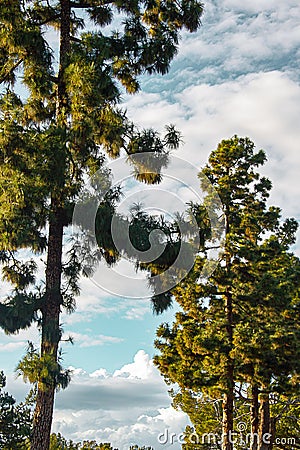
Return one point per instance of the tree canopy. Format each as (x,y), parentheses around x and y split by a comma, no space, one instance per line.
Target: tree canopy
(56,134)
(240,325)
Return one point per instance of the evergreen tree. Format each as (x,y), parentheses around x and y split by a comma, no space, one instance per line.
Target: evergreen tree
(57,134)
(285,411)
(240,325)
(15,420)
(58,442)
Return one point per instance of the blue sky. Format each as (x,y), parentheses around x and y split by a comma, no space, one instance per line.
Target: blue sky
(239,74)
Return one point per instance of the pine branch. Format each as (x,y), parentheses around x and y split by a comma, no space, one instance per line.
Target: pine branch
(6,76)
(286,407)
(49,20)
(75,39)
(80,5)
(213,247)
(54,79)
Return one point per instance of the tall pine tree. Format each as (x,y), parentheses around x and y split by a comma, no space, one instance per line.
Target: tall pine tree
(56,134)
(240,325)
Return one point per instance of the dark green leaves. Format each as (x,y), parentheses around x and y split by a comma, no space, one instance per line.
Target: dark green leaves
(15,420)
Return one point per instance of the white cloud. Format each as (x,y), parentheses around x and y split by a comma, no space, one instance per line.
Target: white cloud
(100,373)
(256,6)
(137,312)
(263,106)
(142,368)
(12,346)
(131,406)
(236,38)
(86,340)
(13,342)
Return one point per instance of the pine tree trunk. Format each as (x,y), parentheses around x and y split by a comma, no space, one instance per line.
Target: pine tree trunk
(228,400)
(272,430)
(264,425)
(43,415)
(254,419)
(42,422)
(227,422)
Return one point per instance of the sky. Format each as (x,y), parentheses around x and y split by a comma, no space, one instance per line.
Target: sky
(239,74)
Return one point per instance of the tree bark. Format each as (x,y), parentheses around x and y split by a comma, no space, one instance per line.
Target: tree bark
(51,335)
(42,421)
(228,400)
(227,422)
(254,412)
(43,414)
(65,41)
(272,430)
(265,442)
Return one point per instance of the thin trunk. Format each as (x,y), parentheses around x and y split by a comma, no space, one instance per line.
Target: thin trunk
(254,412)
(50,335)
(264,425)
(228,399)
(227,422)
(272,430)
(65,45)
(43,415)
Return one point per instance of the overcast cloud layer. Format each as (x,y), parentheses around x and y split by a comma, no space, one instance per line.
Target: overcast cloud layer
(238,75)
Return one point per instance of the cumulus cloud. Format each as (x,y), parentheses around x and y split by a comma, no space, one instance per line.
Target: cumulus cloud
(94,300)
(126,407)
(130,406)
(264,106)
(141,368)
(240,37)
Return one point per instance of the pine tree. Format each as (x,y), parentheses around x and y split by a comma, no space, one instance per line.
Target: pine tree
(285,411)
(240,325)
(58,133)
(15,420)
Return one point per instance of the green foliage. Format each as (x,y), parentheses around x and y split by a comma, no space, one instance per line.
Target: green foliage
(56,137)
(58,442)
(23,189)
(206,416)
(40,154)
(15,420)
(43,370)
(286,411)
(241,324)
(263,279)
(19,311)
(92,445)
